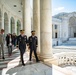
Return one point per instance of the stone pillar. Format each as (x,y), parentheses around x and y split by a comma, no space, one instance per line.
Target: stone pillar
(53,31)
(46,28)
(60,31)
(16,26)
(0,20)
(9,25)
(9,22)
(13,27)
(46,31)
(27,17)
(36,20)
(2,17)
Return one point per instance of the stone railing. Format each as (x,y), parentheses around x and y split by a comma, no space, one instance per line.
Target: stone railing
(66,58)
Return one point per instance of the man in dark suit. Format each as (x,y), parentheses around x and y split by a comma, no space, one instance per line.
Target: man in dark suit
(9,41)
(33,43)
(21,43)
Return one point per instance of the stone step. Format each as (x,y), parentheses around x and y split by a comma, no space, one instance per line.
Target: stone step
(3,63)
(72,39)
(3,66)
(70,43)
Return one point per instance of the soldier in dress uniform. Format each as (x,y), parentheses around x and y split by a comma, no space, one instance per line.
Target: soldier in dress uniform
(21,44)
(33,44)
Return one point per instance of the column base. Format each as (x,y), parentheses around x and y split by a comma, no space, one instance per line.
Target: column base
(52,60)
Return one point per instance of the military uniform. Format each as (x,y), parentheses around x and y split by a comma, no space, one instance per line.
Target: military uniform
(21,43)
(33,43)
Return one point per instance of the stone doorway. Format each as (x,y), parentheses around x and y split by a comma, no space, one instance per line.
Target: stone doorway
(72,27)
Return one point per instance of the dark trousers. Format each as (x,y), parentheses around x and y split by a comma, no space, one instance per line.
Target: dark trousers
(35,54)
(22,51)
(9,50)
(2,50)
(14,43)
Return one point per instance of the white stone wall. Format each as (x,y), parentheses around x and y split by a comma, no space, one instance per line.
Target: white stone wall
(5,8)
(64,31)
(58,30)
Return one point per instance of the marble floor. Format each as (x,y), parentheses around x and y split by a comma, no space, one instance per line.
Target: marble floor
(12,66)
(71,68)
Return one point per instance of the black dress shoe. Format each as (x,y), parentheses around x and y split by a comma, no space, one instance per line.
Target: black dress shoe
(23,64)
(3,58)
(38,61)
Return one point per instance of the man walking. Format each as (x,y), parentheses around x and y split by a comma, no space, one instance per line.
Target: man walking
(2,42)
(33,43)
(21,43)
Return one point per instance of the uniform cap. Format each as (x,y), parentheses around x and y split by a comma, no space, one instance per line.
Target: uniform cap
(32,31)
(21,30)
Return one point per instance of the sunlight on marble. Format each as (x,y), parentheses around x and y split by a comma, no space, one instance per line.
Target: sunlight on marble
(13,63)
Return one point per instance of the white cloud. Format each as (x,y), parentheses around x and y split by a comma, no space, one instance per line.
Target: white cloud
(59,9)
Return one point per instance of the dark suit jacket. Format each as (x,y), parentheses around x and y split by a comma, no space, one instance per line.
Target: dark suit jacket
(8,40)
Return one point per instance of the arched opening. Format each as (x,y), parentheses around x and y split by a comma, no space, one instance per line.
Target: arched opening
(12,25)
(72,27)
(18,27)
(0,19)
(6,27)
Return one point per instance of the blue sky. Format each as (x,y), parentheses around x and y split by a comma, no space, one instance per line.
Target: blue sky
(63,6)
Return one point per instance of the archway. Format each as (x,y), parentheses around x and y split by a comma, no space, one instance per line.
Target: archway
(0,19)
(6,27)
(18,27)
(72,27)
(12,25)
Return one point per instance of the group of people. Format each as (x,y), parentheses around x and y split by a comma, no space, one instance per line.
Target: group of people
(20,42)
(31,42)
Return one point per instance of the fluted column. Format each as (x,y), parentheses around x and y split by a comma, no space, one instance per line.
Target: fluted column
(2,16)
(46,28)
(27,17)
(36,20)
(46,32)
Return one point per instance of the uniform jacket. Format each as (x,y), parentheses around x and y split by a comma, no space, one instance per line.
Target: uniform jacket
(22,41)
(33,42)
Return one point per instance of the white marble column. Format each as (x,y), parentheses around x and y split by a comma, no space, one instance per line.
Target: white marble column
(53,31)
(36,20)
(9,23)
(13,28)
(60,31)
(46,28)
(2,17)
(46,32)
(27,17)
(16,25)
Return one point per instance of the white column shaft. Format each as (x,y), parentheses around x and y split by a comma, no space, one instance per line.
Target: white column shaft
(36,20)
(46,28)
(27,17)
